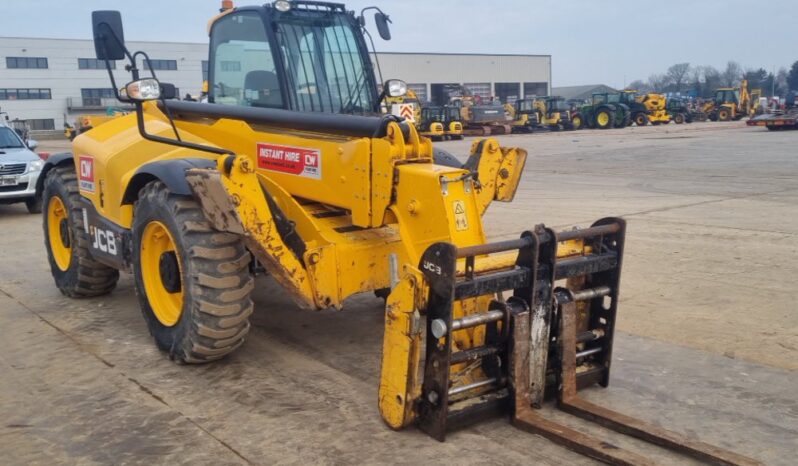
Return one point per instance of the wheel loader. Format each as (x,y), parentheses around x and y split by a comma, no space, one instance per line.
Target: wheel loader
(290,166)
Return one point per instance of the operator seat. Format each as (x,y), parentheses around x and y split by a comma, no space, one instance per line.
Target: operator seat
(261,89)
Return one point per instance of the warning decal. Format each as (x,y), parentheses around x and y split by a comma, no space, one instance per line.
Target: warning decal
(86,172)
(460,219)
(299,161)
(406,111)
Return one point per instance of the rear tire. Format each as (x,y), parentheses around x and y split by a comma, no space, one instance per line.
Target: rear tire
(196,300)
(604,118)
(640,119)
(679,118)
(76,274)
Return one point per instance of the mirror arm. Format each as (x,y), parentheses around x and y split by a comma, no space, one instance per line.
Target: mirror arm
(173,142)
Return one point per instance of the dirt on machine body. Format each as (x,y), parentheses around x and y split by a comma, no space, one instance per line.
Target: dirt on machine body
(315,184)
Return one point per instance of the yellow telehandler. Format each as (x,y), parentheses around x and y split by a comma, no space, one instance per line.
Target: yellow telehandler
(292,164)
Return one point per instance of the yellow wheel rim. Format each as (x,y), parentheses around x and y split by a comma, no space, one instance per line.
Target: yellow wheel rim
(603,118)
(160,261)
(577,122)
(58,233)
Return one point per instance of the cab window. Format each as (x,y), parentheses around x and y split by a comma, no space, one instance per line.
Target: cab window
(243,72)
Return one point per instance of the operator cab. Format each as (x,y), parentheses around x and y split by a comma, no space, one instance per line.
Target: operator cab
(723,96)
(300,55)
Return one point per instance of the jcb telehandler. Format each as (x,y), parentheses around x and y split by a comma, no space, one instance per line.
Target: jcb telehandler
(290,163)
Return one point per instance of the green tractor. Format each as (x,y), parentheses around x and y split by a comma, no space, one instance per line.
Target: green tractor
(605,111)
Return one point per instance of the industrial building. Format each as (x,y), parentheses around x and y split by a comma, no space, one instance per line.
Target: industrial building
(51,81)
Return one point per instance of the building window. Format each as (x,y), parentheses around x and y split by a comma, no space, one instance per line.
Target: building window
(26,62)
(204,70)
(25,94)
(94,97)
(479,89)
(231,65)
(169,65)
(42,124)
(93,64)
(508,92)
(420,91)
(535,89)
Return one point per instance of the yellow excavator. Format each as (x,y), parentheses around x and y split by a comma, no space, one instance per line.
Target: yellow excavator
(655,104)
(291,164)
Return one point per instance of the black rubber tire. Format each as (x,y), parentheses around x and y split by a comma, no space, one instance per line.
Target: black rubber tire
(679,118)
(576,122)
(34,205)
(610,118)
(215,278)
(640,119)
(84,277)
(626,120)
(724,115)
(441,157)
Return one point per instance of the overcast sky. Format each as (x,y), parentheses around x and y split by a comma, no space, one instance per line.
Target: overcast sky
(591,41)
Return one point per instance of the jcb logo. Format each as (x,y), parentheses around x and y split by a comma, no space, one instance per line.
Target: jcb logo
(432,267)
(104,240)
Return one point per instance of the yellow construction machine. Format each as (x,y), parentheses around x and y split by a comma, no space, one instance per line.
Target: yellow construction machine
(292,164)
(86,122)
(655,104)
(732,103)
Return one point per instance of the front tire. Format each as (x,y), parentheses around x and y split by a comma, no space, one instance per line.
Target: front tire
(640,119)
(34,205)
(76,274)
(679,118)
(724,115)
(193,282)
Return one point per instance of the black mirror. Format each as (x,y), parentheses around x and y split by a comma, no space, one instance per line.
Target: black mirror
(168,91)
(109,38)
(382,21)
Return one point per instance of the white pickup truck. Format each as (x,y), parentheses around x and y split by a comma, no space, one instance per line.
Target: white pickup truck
(20,168)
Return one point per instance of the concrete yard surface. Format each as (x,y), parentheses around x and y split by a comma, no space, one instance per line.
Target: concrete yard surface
(708,341)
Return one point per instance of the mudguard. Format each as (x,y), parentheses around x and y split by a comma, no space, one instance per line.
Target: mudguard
(53,161)
(172,173)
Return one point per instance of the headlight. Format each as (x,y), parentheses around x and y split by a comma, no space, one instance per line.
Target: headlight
(36,165)
(282,5)
(396,88)
(144,89)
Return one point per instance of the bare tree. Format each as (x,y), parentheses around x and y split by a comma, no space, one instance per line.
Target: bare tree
(732,74)
(639,85)
(677,75)
(657,82)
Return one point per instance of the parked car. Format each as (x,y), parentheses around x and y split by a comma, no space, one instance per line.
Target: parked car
(20,168)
